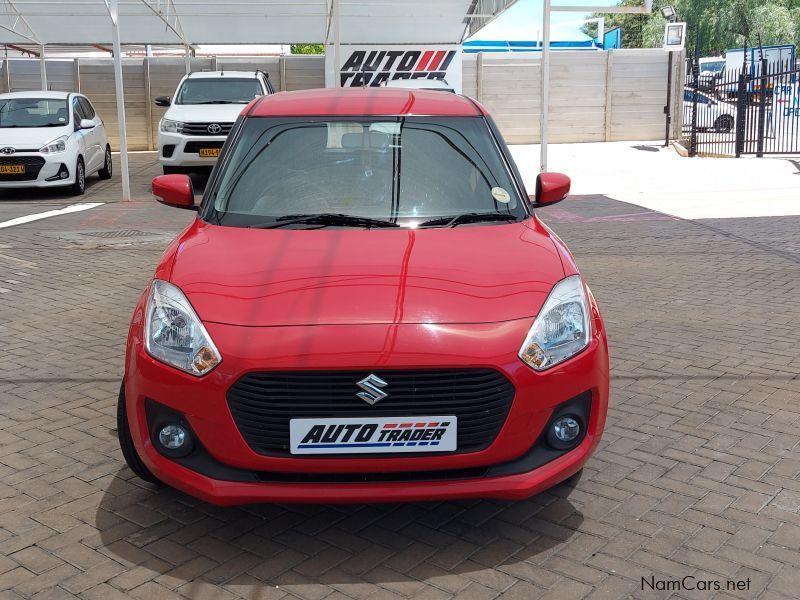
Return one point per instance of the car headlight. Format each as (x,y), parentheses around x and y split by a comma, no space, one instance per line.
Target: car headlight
(57,145)
(174,333)
(562,329)
(169,126)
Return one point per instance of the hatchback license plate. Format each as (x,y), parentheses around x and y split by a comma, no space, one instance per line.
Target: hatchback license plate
(12,169)
(209,151)
(373,435)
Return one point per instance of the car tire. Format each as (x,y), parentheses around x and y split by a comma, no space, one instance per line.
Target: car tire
(79,187)
(132,458)
(108,167)
(723,124)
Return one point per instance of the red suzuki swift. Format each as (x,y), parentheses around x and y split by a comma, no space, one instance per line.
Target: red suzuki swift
(364,310)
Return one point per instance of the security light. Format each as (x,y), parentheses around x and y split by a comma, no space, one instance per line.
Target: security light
(668,12)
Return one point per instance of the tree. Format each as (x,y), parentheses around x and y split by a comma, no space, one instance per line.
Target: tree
(308,48)
(719,24)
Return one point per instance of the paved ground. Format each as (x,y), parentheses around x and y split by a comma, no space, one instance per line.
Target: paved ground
(697,474)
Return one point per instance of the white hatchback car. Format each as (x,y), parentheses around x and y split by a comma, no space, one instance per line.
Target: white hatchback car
(712,114)
(201,114)
(51,139)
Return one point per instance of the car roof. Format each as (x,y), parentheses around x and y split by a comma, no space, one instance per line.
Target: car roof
(367,101)
(218,74)
(38,94)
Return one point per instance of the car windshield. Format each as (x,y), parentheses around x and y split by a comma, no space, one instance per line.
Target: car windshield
(402,170)
(221,90)
(33,112)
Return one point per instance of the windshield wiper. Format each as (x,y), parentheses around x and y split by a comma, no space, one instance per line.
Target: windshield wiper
(216,102)
(468,218)
(325,219)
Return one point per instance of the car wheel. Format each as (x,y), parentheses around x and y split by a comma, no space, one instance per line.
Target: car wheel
(723,124)
(126,442)
(79,187)
(108,167)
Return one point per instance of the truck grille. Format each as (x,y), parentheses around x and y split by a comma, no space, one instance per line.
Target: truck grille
(263,403)
(202,128)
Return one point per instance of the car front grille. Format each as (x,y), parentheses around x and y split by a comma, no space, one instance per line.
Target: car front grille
(202,128)
(263,403)
(33,164)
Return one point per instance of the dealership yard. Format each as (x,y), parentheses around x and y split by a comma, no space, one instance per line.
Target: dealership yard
(697,474)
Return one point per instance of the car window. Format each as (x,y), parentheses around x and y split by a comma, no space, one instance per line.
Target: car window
(33,112)
(88,109)
(402,169)
(222,90)
(77,110)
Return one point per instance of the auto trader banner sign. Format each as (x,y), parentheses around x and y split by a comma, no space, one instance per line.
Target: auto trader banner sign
(373,66)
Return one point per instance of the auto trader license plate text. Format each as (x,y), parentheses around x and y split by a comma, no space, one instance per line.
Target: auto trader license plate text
(11,169)
(209,151)
(373,435)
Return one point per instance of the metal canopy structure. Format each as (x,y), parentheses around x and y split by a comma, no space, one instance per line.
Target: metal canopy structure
(192,22)
(243,21)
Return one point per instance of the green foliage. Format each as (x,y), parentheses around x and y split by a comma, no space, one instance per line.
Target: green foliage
(308,48)
(720,24)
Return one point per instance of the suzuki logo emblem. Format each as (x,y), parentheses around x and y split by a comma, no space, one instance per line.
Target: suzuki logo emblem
(214,128)
(372,384)
(8,150)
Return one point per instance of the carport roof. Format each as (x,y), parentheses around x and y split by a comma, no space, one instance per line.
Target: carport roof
(243,21)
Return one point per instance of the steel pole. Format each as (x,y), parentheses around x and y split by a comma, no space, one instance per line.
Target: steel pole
(545,87)
(123,139)
(668,107)
(337,80)
(43,67)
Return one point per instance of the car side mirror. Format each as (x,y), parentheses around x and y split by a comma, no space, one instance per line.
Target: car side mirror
(162,101)
(87,124)
(550,188)
(174,190)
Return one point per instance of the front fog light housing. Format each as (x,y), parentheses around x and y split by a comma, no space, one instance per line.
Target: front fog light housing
(561,330)
(174,333)
(172,437)
(564,432)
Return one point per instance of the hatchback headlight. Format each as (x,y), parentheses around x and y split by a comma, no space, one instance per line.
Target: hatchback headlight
(57,145)
(174,333)
(562,329)
(169,126)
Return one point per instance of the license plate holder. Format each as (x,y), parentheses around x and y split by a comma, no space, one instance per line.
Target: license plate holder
(373,435)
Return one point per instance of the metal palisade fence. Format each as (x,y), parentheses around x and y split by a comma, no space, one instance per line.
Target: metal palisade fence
(754,109)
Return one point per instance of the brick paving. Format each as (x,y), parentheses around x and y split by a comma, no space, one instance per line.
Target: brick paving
(697,473)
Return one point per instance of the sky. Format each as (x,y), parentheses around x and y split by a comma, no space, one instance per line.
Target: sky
(523,21)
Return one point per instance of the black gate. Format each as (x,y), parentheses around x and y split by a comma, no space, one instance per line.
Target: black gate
(755,110)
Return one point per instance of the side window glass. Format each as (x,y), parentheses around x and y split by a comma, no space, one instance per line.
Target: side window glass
(77,111)
(88,109)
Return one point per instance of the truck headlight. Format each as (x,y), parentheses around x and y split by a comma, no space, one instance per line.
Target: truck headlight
(57,145)
(169,126)
(562,329)
(174,333)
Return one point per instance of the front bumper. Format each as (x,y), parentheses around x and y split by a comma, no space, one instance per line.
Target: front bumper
(179,155)
(47,175)
(239,475)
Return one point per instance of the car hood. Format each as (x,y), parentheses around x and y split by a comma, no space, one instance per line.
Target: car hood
(273,277)
(204,113)
(31,137)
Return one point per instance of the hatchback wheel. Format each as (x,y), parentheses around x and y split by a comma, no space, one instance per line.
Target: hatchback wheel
(108,169)
(126,441)
(79,187)
(723,124)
